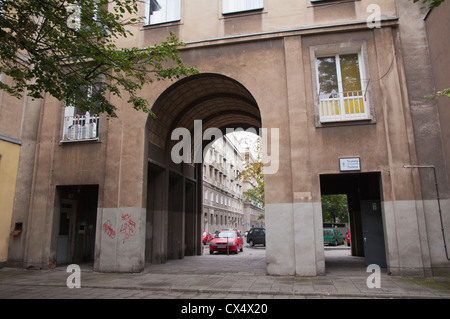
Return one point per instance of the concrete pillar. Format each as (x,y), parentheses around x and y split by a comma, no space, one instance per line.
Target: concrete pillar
(300,219)
(121,216)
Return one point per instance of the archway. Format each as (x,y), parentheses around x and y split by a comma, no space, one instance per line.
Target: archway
(192,105)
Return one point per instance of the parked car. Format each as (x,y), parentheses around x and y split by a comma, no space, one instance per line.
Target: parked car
(256,236)
(226,241)
(332,236)
(206,237)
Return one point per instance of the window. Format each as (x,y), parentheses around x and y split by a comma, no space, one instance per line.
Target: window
(161,11)
(231,6)
(78,125)
(342,95)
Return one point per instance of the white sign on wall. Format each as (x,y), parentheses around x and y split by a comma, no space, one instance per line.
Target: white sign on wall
(350,164)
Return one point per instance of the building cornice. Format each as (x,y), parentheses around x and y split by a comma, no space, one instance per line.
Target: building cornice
(327,28)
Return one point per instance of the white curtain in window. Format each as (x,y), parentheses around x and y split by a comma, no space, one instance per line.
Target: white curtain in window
(160,11)
(241,5)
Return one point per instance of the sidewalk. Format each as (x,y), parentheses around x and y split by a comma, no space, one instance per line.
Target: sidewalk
(239,276)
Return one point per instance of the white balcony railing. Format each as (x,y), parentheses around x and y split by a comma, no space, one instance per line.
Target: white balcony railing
(80,128)
(342,106)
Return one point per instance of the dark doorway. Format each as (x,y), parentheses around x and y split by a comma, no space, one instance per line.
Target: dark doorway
(363,192)
(77,218)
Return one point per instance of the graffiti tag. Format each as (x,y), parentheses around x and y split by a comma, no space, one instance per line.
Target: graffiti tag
(128,228)
(109,230)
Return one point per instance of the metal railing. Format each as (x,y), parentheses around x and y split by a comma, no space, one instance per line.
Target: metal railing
(342,106)
(80,128)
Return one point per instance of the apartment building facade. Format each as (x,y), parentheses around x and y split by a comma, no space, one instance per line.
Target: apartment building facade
(224,201)
(342,83)
(223,192)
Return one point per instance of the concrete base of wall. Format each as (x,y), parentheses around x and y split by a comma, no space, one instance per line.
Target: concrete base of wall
(415,242)
(294,239)
(120,239)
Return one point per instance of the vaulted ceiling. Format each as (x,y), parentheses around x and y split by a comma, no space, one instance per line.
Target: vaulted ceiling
(220,102)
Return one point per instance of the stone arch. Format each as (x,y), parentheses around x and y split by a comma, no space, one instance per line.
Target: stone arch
(174,191)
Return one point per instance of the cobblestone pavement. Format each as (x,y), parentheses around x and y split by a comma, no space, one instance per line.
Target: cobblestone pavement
(219,277)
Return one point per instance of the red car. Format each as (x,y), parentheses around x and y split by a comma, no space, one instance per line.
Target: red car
(227,240)
(206,237)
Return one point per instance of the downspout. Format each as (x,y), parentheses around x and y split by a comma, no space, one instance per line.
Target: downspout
(438,200)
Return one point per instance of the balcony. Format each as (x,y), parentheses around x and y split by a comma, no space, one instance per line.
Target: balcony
(80,128)
(343,106)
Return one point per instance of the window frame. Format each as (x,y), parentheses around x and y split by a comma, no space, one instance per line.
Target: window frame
(80,135)
(329,50)
(79,119)
(246,10)
(321,3)
(147,21)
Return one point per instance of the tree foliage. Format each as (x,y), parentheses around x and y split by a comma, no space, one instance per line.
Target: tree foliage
(253,172)
(430,3)
(335,208)
(65,47)
(445,92)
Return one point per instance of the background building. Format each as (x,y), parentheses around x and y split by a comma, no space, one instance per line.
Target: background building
(223,192)
(224,204)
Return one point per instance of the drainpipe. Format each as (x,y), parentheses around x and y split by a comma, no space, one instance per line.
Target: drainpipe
(438,200)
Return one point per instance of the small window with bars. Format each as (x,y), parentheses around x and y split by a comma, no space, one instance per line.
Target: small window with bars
(79,125)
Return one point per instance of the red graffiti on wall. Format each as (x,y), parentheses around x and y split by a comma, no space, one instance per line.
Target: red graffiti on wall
(128,228)
(109,230)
